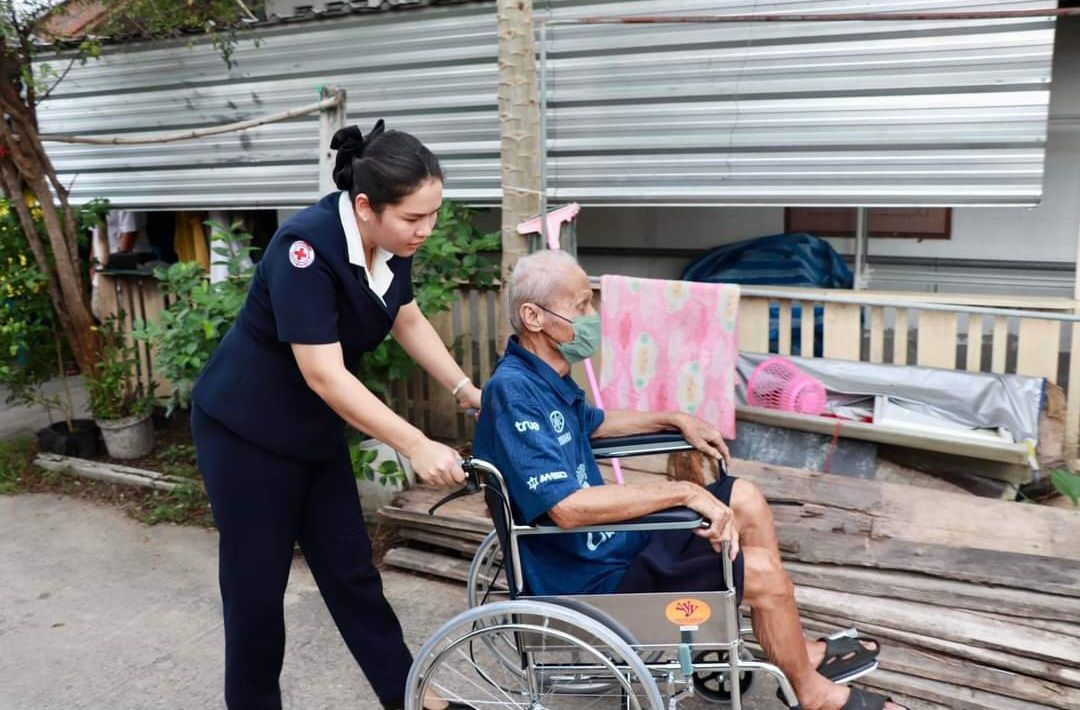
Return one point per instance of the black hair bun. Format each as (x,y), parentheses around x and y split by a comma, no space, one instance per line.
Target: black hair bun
(349,142)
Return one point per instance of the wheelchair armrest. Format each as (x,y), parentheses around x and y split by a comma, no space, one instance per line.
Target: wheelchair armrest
(639,445)
(670,519)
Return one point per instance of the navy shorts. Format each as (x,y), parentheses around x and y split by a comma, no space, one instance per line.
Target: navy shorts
(680,561)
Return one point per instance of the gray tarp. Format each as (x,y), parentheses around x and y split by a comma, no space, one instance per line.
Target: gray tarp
(975,399)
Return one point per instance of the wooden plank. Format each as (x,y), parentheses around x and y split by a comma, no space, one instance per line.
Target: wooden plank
(461,351)
(887,298)
(902,512)
(843,331)
(784,326)
(947,669)
(900,337)
(991,449)
(1072,401)
(936,343)
(446,542)
(950,624)
(443,413)
(455,569)
(1035,539)
(807,320)
(877,334)
(108,472)
(1059,627)
(753,325)
(953,696)
(393,514)
(1037,348)
(1055,673)
(999,344)
(493,346)
(921,588)
(974,343)
(1008,569)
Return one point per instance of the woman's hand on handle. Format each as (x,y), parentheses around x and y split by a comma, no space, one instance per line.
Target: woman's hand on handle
(437,464)
(469,397)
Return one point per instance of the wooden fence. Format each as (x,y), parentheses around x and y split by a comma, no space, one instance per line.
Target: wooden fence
(1039,337)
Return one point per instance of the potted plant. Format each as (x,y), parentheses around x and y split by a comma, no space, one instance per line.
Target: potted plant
(31,350)
(451,257)
(121,405)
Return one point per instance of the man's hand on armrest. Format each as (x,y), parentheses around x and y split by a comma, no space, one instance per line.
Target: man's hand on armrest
(612,504)
(699,434)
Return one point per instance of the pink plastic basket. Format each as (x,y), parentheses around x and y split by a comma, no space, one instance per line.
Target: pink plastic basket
(778,384)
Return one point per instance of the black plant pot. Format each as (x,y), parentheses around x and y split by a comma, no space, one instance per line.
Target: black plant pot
(83,442)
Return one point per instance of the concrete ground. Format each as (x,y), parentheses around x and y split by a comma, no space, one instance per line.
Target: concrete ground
(100,611)
(17,421)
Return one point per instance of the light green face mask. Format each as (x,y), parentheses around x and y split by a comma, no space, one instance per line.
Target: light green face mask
(586,337)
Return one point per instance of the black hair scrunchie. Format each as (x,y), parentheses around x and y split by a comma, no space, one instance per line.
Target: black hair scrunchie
(349,142)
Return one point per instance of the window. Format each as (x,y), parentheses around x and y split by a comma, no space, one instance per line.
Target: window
(903,222)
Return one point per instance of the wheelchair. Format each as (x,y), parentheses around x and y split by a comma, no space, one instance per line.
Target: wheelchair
(634,651)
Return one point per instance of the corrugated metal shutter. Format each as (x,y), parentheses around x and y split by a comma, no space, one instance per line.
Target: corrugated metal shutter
(878,113)
(429,71)
(794,113)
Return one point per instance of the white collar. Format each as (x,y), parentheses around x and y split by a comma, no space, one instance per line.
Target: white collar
(380,276)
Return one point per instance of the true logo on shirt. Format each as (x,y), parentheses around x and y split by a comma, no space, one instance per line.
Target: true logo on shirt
(301,254)
(524,426)
(536,481)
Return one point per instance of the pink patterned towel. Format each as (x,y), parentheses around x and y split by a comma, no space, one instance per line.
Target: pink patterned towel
(670,345)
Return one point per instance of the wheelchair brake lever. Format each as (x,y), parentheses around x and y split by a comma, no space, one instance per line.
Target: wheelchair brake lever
(472,485)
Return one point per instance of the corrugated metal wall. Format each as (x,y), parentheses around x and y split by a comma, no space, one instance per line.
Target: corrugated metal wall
(794,113)
(798,113)
(430,71)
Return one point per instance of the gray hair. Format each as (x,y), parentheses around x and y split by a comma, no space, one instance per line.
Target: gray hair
(536,279)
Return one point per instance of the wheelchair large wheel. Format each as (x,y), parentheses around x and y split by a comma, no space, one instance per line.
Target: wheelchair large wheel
(552,647)
(487,576)
(715,685)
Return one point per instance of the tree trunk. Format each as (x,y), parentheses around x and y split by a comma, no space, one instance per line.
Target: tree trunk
(26,171)
(519,130)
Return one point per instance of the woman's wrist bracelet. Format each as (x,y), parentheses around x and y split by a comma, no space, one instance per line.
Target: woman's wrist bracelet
(458,387)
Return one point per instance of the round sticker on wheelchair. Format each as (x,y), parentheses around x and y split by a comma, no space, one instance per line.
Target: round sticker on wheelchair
(687,612)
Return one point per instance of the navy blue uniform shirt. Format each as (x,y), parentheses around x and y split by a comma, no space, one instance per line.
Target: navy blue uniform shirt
(304,291)
(535,427)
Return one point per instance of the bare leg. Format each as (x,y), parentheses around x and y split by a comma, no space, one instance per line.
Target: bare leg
(771,596)
(754,520)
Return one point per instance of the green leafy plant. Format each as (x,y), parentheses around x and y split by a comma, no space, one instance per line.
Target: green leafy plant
(15,458)
(452,257)
(363,462)
(199,313)
(1067,484)
(31,348)
(115,389)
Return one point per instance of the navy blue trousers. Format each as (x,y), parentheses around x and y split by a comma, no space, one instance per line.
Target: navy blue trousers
(263,503)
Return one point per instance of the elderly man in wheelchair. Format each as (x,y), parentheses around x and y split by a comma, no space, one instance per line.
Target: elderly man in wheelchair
(617,588)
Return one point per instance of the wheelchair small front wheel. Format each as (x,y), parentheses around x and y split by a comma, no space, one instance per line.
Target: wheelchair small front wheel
(487,575)
(715,685)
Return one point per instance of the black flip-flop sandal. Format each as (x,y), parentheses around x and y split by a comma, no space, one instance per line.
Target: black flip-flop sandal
(846,658)
(858,699)
(866,700)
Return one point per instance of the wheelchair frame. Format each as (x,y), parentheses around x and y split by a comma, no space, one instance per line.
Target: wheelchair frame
(599,619)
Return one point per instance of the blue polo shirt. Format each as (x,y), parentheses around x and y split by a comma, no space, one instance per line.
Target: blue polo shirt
(305,290)
(535,427)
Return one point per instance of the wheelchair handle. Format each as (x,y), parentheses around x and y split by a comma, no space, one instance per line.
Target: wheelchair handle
(472,484)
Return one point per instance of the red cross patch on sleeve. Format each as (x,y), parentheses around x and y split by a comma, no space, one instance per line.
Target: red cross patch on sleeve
(301,255)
